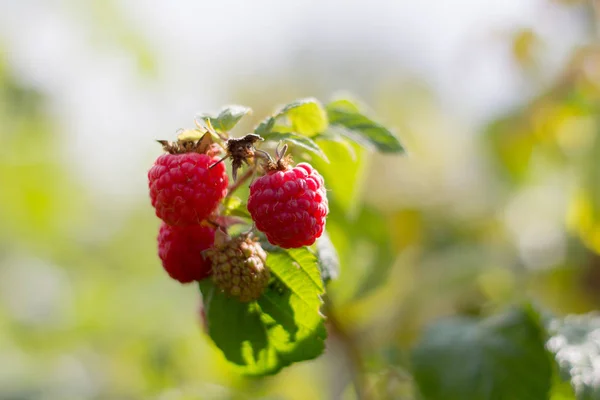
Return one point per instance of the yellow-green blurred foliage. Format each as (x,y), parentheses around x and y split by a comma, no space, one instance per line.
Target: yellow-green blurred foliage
(471,220)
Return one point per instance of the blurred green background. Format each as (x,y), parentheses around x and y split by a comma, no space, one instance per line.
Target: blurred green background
(498,200)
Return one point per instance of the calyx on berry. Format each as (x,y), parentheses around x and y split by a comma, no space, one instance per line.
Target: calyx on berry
(184,190)
(289,205)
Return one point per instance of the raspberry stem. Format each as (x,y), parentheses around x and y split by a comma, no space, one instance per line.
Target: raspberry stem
(215,224)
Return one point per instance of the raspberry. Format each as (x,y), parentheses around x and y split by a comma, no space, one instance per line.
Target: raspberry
(180,250)
(183,189)
(289,206)
(239,269)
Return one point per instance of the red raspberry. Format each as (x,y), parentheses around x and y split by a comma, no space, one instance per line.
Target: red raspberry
(180,249)
(289,206)
(183,189)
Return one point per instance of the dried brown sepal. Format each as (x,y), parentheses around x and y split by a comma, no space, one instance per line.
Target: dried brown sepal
(205,143)
(282,164)
(283,160)
(240,150)
(188,143)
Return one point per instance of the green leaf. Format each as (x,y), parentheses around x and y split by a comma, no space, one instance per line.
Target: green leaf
(228,117)
(284,326)
(329,262)
(298,308)
(265,126)
(336,138)
(499,358)
(306,116)
(575,344)
(297,279)
(346,116)
(235,207)
(344,174)
(237,329)
(302,141)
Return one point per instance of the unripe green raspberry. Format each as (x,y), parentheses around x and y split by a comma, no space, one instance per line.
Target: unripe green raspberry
(238,266)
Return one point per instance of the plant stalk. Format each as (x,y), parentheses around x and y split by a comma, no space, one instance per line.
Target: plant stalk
(352,350)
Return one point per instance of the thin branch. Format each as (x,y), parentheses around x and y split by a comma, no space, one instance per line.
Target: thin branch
(215,224)
(357,364)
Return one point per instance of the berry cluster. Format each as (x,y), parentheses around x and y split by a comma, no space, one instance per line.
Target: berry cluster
(185,191)
(188,183)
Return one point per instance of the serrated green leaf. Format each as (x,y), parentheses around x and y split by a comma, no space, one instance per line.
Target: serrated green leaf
(284,326)
(298,270)
(499,358)
(575,344)
(329,262)
(294,331)
(228,117)
(302,141)
(306,116)
(346,116)
(306,266)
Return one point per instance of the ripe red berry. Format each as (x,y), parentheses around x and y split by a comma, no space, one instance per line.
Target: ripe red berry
(180,250)
(289,206)
(183,189)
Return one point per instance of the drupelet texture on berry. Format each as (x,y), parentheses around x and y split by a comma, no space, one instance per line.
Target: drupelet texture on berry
(239,268)
(180,250)
(184,190)
(289,206)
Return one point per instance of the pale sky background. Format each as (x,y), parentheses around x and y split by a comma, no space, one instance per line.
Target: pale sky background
(110,112)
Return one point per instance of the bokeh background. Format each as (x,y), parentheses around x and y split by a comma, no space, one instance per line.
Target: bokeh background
(498,200)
